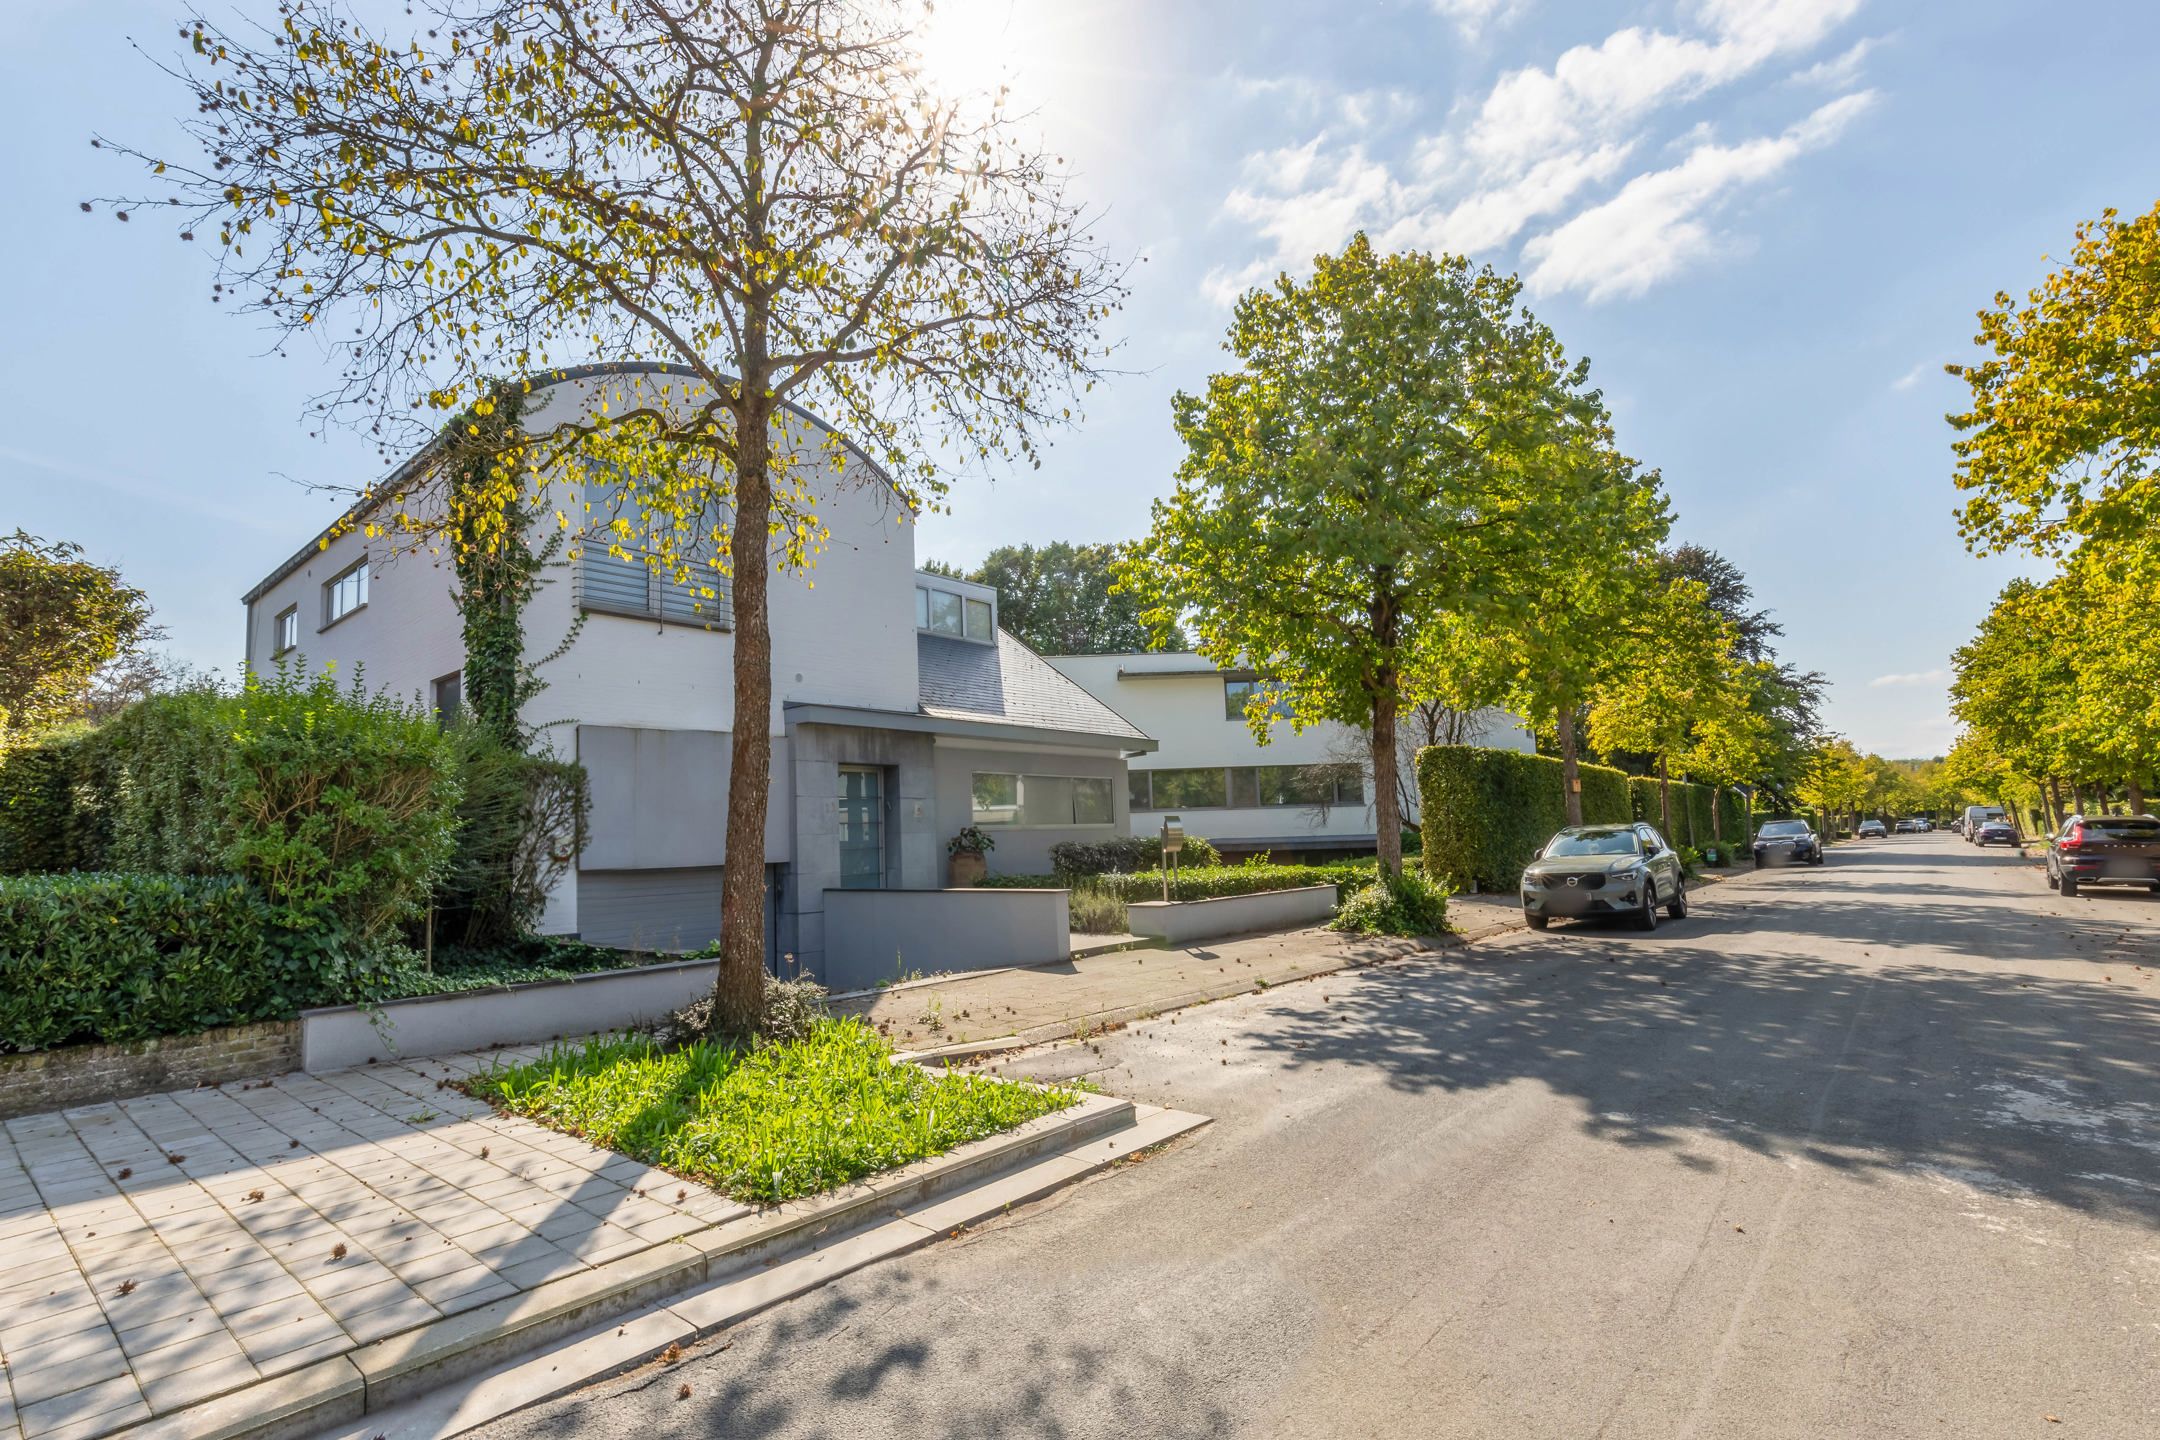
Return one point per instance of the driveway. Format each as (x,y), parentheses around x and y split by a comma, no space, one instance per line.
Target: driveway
(1871,1149)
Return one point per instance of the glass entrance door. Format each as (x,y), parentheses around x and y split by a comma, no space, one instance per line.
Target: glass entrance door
(862,827)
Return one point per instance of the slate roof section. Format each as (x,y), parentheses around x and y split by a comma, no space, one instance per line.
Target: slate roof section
(1008,684)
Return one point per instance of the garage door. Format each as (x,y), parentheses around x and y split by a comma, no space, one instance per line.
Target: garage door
(672,910)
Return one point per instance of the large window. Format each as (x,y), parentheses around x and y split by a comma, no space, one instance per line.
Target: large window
(667,572)
(862,827)
(345,593)
(1236,694)
(1246,787)
(1042,800)
(951,612)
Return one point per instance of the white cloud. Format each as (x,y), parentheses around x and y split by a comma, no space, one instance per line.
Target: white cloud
(1917,677)
(1473,16)
(1840,71)
(1660,222)
(1490,218)
(1915,375)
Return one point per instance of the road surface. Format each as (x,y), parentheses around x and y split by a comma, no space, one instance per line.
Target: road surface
(1865,1150)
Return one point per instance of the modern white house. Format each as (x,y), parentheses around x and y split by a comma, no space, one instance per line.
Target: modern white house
(1304,793)
(901,713)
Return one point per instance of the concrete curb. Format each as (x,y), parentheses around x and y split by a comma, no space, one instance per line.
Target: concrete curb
(399,1367)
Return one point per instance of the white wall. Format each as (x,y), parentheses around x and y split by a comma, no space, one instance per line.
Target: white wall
(1185,713)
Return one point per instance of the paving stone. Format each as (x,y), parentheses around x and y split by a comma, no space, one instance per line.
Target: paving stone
(202,1382)
(79,1403)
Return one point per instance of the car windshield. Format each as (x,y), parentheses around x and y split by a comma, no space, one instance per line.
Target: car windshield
(1777,828)
(2123,827)
(1591,842)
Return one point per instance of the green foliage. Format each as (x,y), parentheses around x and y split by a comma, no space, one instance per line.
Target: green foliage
(520,823)
(1410,903)
(62,619)
(1063,599)
(788,1010)
(517,962)
(1488,811)
(44,824)
(124,957)
(1125,854)
(1096,911)
(785,1120)
(1202,882)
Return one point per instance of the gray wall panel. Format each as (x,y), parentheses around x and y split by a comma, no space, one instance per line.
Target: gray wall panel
(667,910)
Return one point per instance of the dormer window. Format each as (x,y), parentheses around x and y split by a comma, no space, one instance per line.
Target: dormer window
(955,608)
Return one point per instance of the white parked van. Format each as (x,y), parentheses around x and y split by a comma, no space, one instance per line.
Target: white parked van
(1978,815)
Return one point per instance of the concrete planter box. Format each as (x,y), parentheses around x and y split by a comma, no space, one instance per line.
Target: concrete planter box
(1179,922)
(342,1036)
(882,935)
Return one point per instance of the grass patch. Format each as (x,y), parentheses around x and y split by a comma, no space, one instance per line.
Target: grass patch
(769,1124)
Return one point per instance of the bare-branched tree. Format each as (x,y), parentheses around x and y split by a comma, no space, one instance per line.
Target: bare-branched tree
(766,194)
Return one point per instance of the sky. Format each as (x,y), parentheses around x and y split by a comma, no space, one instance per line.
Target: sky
(1767,223)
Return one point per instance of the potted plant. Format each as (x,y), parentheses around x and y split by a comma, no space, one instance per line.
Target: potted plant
(965,853)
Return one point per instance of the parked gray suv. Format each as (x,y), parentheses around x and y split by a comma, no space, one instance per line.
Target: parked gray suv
(1588,870)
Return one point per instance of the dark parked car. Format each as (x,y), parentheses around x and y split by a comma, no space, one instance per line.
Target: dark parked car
(1872,830)
(2105,850)
(1995,832)
(1590,870)
(1781,842)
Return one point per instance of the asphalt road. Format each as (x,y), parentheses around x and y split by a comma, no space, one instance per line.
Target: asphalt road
(1865,1150)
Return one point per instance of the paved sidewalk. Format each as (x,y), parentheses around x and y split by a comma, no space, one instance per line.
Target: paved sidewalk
(161,1251)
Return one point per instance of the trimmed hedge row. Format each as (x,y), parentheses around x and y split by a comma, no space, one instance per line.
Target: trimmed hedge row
(1486,812)
(125,957)
(1125,854)
(1204,882)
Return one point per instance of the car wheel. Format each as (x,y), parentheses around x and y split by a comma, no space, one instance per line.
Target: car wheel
(2054,880)
(1678,909)
(1538,922)
(1758,862)
(2069,886)
(1646,917)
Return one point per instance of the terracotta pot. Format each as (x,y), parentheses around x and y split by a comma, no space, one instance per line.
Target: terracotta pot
(967,869)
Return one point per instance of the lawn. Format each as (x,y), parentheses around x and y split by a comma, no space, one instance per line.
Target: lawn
(766,1125)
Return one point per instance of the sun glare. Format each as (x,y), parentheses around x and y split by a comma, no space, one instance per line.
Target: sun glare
(970,47)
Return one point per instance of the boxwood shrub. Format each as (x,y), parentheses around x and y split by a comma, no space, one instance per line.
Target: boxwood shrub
(1125,854)
(126,957)
(1203,882)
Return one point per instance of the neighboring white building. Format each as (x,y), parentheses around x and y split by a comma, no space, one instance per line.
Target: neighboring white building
(901,712)
(1301,793)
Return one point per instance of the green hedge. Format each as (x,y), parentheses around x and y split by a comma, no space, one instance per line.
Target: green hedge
(43,824)
(126,957)
(1486,812)
(1203,882)
(1125,854)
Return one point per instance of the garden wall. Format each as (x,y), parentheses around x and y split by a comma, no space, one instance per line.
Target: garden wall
(537,1011)
(1180,922)
(87,1074)
(879,935)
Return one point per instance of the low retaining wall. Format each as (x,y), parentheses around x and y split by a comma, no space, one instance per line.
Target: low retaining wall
(878,935)
(1178,922)
(343,1036)
(86,1074)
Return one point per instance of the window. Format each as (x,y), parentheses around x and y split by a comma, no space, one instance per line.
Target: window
(862,827)
(1042,800)
(1237,693)
(1136,790)
(669,572)
(449,696)
(285,631)
(954,612)
(1187,789)
(345,593)
(1308,785)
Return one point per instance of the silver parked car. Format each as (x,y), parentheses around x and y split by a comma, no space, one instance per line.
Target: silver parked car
(1588,870)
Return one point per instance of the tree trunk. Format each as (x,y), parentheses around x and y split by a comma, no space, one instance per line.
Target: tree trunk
(2077,795)
(739,992)
(1717,821)
(2137,795)
(2053,794)
(1387,812)
(1664,785)
(1570,768)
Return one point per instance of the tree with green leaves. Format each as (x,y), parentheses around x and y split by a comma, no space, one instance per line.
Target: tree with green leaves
(1065,599)
(1391,449)
(64,620)
(1678,674)
(2062,442)
(765,194)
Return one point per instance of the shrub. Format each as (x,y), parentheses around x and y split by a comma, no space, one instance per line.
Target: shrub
(1097,911)
(1202,882)
(125,957)
(1125,854)
(792,1010)
(520,823)
(1486,812)
(1406,904)
(44,824)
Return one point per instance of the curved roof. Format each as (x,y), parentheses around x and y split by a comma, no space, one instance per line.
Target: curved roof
(412,464)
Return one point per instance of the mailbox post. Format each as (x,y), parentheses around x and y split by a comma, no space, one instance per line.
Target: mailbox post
(1173,841)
